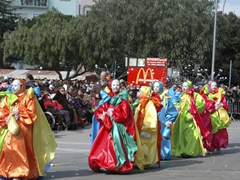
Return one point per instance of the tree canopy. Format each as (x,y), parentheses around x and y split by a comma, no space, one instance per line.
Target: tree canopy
(50,40)
(8,22)
(180,30)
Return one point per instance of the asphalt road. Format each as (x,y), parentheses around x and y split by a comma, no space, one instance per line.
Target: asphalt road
(71,163)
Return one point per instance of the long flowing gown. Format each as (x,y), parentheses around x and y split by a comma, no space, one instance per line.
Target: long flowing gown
(26,154)
(216,121)
(148,130)
(167,114)
(95,123)
(114,148)
(188,130)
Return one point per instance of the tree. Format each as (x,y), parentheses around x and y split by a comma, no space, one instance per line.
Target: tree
(229,25)
(8,21)
(180,30)
(50,41)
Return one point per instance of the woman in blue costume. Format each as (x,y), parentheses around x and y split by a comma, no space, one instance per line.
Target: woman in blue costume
(167,115)
(95,123)
(188,130)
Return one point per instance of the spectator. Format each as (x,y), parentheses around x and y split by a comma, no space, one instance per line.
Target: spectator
(31,83)
(55,106)
(97,87)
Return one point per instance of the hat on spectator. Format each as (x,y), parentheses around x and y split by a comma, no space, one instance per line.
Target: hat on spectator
(51,87)
(74,93)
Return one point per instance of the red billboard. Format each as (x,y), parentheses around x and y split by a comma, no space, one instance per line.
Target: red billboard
(146,70)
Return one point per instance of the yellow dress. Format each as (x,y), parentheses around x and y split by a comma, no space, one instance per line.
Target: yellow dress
(147,132)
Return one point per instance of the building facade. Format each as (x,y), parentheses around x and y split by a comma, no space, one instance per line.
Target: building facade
(29,9)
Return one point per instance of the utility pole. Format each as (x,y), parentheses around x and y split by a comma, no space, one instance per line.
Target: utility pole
(214,40)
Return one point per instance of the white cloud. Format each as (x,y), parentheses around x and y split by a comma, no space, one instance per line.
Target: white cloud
(230,8)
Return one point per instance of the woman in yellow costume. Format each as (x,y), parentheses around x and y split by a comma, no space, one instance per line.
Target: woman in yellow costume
(25,152)
(188,130)
(148,128)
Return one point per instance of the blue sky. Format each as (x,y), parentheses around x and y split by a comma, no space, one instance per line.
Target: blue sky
(230,6)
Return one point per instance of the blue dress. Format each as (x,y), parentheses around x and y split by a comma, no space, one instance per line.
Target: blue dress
(95,123)
(167,115)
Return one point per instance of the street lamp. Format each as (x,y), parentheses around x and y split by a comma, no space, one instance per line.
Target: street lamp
(214,40)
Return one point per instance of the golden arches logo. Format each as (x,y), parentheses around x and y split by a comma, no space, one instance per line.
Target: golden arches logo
(145,73)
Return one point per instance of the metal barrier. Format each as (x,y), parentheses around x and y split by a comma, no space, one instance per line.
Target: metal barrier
(234,110)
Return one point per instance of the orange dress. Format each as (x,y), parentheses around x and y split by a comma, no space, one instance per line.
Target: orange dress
(17,159)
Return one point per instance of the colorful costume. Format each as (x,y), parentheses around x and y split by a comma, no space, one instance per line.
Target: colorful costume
(167,115)
(114,146)
(188,129)
(148,129)
(25,154)
(215,118)
(95,123)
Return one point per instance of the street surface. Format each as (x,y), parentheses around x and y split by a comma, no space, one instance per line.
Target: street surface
(71,161)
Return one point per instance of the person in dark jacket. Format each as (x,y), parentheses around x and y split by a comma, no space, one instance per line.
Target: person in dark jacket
(30,82)
(97,87)
(63,98)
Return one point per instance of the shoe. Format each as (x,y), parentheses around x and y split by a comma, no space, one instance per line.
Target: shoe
(209,152)
(219,151)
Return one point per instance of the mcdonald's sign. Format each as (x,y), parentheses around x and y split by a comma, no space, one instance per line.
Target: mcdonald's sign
(144,78)
(155,69)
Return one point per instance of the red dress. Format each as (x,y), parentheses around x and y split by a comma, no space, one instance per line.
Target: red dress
(105,153)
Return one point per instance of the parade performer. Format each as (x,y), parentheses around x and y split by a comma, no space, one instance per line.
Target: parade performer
(188,130)
(99,96)
(114,147)
(167,115)
(28,144)
(95,123)
(148,128)
(215,117)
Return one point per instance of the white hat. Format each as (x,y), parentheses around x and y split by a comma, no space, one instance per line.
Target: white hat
(51,87)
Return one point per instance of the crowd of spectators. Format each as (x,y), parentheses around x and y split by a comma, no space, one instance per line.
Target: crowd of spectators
(72,96)
(81,95)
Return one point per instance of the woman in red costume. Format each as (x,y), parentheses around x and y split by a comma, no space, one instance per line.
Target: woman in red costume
(114,146)
(215,117)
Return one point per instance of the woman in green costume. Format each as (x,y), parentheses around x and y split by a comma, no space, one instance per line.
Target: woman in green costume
(188,129)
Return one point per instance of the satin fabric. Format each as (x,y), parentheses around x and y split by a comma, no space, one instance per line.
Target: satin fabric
(95,123)
(215,121)
(27,154)
(167,114)
(17,158)
(114,147)
(188,129)
(7,100)
(44,143)
(147,130)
